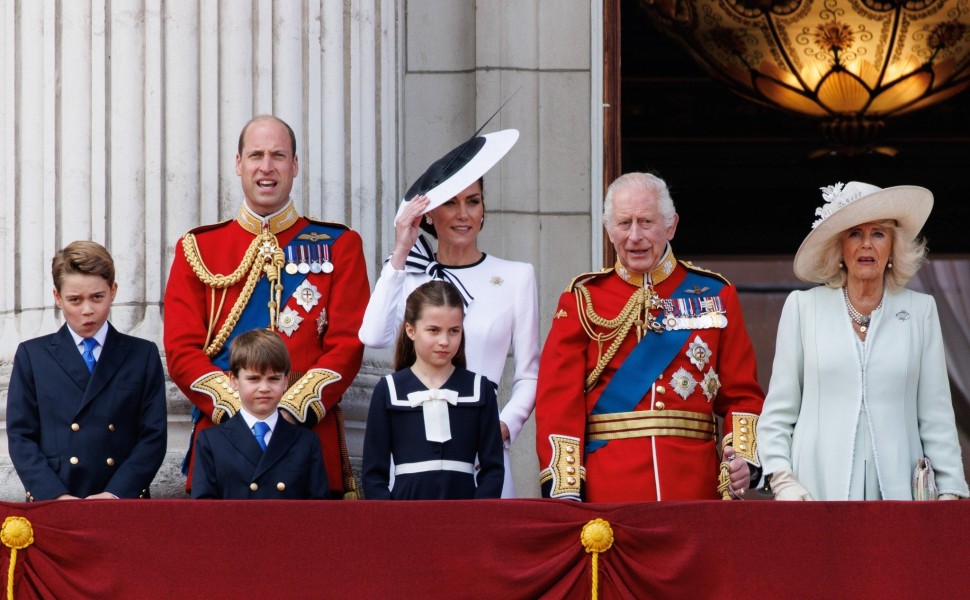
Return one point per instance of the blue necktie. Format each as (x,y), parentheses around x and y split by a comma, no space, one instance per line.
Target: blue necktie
(260,429)
(89,345)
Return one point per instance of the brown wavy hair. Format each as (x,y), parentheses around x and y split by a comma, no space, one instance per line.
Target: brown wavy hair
(434,293)
(82,258)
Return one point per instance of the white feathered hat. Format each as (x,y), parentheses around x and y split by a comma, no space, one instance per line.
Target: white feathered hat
(854,204)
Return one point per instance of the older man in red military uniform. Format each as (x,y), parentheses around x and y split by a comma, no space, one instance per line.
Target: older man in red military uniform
(269,268)
(639,361)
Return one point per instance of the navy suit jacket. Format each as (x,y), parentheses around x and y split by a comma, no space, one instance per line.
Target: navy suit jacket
(229,463)
(80,433)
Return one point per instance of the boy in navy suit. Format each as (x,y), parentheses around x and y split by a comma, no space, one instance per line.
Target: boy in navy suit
(86,405)
(256,453)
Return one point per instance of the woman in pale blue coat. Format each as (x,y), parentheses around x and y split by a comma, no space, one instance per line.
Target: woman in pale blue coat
(859,389)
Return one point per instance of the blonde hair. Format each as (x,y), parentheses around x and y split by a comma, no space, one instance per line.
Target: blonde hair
(907,257)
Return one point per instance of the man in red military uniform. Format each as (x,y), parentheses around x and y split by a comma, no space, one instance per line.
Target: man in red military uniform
(639,361)
(269,268)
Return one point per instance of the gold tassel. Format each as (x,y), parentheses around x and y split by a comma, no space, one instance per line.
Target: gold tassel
(16,534)
(724,480)
(597,536)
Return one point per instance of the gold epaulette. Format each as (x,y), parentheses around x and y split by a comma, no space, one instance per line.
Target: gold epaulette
(695,269)
(327,223)
(584,277)
(304,395)
(225,400)
(209,227)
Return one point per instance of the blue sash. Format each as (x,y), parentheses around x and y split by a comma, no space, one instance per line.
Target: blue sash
(255,315)
(649,358)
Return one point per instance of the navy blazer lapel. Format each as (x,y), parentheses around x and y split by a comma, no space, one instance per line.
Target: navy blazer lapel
(241,436)
(284,436)
(68,357)
(113,354)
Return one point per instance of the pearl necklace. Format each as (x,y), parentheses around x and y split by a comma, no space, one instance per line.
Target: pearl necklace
(858,317)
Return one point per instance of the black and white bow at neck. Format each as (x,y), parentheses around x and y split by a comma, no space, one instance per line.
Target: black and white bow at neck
(421,260)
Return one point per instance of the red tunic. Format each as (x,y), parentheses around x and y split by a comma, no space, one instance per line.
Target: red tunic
(343,293)
(667,467)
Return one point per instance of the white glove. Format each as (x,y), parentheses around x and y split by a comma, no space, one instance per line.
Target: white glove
(786,487)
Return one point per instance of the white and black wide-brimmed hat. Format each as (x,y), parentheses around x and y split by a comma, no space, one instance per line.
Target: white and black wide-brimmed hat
(856,203)
(460,168)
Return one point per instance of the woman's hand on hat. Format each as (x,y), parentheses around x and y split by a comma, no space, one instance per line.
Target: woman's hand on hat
(407,226)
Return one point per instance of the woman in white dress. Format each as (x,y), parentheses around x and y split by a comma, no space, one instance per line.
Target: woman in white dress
(859,390)
(502,307)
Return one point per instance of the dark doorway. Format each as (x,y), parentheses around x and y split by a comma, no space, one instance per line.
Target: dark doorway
(740,172)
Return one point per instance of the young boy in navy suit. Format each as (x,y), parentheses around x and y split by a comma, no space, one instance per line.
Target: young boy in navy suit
(257,453)
(86,405)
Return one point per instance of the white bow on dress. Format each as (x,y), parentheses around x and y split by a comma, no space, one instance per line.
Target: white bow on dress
(434,405)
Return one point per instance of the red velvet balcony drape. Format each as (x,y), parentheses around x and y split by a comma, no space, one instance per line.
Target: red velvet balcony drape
(489,549)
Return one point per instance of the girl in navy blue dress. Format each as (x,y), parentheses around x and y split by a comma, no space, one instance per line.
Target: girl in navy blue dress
(432,420)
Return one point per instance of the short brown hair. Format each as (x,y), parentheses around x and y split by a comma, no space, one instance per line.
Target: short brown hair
(259,350)
(82,257)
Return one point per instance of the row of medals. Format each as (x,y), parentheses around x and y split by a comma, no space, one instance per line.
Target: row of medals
(318,264)
(694,313)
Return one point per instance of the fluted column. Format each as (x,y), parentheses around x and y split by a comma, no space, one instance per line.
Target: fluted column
(121,118)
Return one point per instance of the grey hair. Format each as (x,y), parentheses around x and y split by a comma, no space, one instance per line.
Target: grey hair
(907,257)
(645,181)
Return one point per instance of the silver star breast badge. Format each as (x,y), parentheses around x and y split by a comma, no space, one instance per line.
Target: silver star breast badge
(711,384)
(307,295)
(699,353)
(289,321)
(682,383)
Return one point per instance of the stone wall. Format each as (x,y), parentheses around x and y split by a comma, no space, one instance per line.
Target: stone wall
(121,119)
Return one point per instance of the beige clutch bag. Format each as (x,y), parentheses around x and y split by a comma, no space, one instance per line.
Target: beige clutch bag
(924,481)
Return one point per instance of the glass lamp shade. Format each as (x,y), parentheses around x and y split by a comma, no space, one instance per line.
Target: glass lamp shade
(850,62)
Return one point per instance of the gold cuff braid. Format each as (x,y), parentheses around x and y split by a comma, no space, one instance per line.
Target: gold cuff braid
(565,468)
(225,401)
(305,394)
(744,429)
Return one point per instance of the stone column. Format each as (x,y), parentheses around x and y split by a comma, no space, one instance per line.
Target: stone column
(120,121)
(463,60)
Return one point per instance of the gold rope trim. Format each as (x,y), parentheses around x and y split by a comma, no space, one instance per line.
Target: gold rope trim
(263,246)
(191,250)
(636,312)
(16,533)
(597,537)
